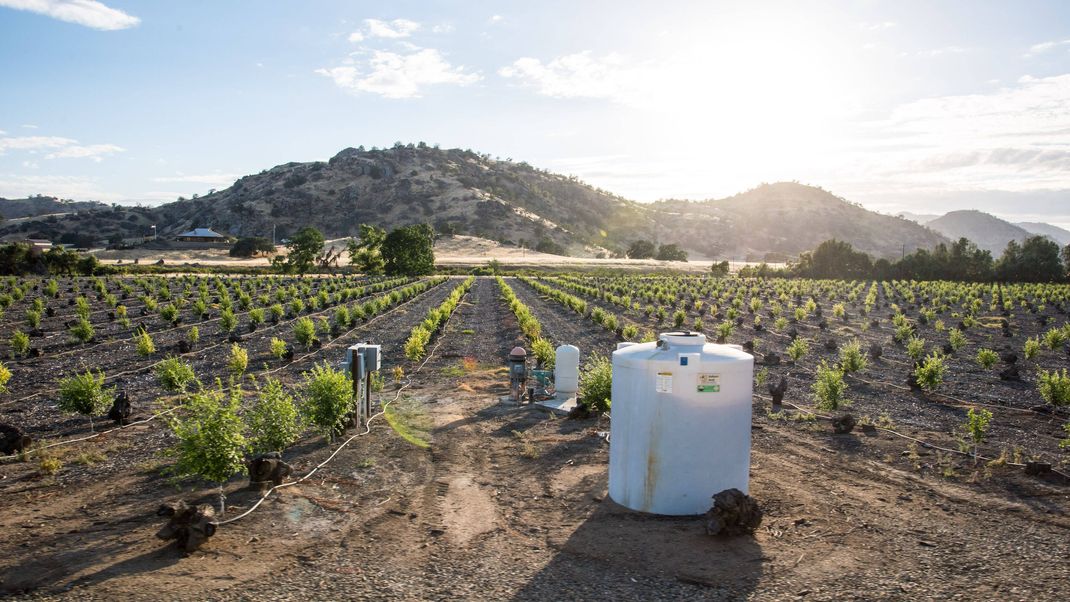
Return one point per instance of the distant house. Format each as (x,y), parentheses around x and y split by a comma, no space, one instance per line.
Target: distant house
(38,245)
(201,235)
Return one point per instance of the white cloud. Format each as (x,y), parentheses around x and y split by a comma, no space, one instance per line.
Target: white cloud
(62,148)
(495,19)
(1015,138)
(68,187)
(394,75)
(83,12)
(95,152)
(1044,47)
(581,75)
(398,28)
(34,143)
(355,37)
(28,126)
(442,28)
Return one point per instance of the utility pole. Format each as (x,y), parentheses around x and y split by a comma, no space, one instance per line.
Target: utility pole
(273,235)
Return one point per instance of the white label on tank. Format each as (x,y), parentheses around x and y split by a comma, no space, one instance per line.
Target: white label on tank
(664,382)
(709,383)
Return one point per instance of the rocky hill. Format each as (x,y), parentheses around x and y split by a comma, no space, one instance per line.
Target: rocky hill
(988,231)
(39,205)
(454,190)
(773,221)
(460,191)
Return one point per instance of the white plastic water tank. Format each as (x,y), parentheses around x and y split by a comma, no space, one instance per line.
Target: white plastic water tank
(567,369)
(680,424)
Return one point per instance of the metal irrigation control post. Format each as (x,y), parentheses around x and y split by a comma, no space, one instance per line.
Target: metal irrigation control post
(518,372)
(362,360)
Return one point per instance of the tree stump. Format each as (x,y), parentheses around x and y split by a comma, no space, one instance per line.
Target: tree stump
(189,526)
(121,409)
(733,513)
(13,440)
(267,470)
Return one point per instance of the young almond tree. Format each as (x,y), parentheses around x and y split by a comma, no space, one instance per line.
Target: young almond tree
(977,426)
(327,399)
(211,442)
(274,423)
(84,394)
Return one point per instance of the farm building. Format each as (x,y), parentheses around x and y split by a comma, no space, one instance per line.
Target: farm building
(201,235)
(39,245)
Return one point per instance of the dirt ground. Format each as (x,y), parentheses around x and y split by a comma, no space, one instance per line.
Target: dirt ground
(457,251)
(510,502)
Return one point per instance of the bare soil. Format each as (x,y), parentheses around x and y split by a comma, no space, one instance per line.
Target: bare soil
(510,502)
(457,251)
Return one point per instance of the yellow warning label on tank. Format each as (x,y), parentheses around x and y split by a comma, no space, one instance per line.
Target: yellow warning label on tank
(663,384)
(709,383)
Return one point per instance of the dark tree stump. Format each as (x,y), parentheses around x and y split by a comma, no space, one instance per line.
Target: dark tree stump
(13,440)
(267,469)
(189,526)
(777,392)
(844,424)
(733,513)
(121,409)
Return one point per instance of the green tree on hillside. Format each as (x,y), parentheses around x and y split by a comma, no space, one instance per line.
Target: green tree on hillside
(642,249)
(304,248)
(834,259)
(366,251)
(671,252)
(1035,260)
(247,247)
(409,250)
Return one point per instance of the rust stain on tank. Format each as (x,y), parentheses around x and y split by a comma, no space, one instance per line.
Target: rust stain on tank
(650,483)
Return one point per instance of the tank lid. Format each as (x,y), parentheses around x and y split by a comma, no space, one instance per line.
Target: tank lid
(685,338)
(518,352)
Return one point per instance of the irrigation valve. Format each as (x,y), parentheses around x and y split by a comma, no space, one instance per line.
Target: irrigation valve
(362,360)
(518,373)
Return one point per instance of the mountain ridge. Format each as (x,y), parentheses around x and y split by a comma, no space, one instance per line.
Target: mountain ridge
(461,191)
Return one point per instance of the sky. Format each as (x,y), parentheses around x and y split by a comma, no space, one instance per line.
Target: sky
(921,106)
